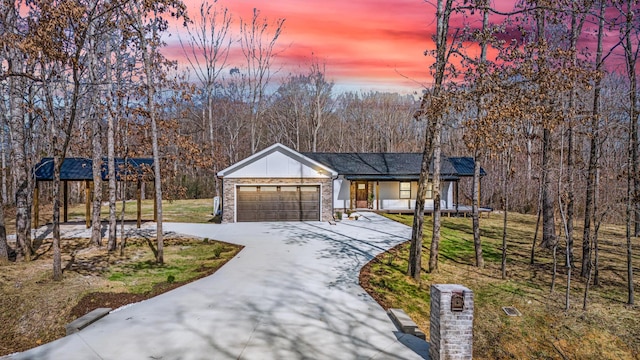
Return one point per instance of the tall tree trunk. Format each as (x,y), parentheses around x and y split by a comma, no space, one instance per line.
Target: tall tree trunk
(111,153)
(57,256)
(147,50)
(535,233)
(565,224)
(18,140)
(629,220)
(443,13)
(3,165)
(435,234)
(96,226)
(475,206)
(591,188)
(577,21)
(548,218)
(632,156)
(506,171)
(475,211)
(96,142)
(4,249)
(415,249)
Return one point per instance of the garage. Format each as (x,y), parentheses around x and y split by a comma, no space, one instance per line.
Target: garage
(277,184)
(278,203)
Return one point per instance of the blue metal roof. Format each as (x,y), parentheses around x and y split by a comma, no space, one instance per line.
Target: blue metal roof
(80,169)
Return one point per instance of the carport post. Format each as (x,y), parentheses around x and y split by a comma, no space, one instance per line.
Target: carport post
(87,202)
(139,204)
(36,207)
(65,194)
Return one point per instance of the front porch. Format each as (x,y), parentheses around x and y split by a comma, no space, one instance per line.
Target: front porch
(393,196)
(459,211)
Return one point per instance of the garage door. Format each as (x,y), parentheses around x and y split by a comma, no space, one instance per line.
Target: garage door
(278,203)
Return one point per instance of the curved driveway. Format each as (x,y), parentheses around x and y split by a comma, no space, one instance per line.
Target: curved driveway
(291,293)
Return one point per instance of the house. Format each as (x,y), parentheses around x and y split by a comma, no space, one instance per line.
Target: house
(280,184)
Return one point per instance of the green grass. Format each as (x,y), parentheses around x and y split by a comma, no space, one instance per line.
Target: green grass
(183,263)
(192,211)
(605,331)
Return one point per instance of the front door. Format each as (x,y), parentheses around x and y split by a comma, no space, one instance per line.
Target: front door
(362,192)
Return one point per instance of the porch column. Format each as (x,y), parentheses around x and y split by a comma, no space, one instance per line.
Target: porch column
(457,189)
(352,193)
(377,195)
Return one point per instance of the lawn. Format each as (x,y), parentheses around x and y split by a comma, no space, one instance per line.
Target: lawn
(34,309)
(607,330)
(192,211)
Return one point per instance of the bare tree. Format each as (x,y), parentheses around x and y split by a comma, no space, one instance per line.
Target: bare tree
(148,46)
(207,51)
(594,135)
(96,142)
(431,107)
(4,249)
(258,40)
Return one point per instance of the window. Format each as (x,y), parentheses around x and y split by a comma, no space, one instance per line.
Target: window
(405,190)
(248,188)
(430,190)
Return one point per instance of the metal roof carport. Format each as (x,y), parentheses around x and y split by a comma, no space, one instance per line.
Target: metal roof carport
(81,169)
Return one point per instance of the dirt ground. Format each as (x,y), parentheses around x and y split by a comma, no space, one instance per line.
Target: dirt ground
(34,309)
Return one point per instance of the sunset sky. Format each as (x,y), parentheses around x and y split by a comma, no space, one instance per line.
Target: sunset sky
(365,44)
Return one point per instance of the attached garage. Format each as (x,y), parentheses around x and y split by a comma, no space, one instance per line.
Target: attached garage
(278,203)
(277,184)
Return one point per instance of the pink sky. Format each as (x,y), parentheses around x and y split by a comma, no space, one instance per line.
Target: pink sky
(365,44)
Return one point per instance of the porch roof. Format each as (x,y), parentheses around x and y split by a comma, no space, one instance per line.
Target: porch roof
(382,166)
(464,166)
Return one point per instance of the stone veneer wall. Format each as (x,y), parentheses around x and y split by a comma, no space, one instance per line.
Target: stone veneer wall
(451,332)
(229,191)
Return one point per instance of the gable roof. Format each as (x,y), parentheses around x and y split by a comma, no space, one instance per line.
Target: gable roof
(80,169)
(277,147)
(382,166)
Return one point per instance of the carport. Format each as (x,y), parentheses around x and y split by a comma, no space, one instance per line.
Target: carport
(81,169)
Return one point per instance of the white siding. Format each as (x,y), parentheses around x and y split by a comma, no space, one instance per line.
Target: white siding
(277,165)
(390,196)
(341,193)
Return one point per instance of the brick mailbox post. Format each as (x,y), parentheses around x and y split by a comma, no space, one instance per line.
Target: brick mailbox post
(451,323)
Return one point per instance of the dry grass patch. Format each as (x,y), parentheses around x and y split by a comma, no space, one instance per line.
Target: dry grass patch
(607,330)
(34,309)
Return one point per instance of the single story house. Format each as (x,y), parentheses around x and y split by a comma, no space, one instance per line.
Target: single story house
(281,184)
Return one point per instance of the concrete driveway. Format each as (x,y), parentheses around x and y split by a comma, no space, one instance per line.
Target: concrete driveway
(291,293)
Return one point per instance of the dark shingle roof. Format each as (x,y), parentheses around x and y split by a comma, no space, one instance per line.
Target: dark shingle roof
(371,166)
(464,166)
(80,169)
